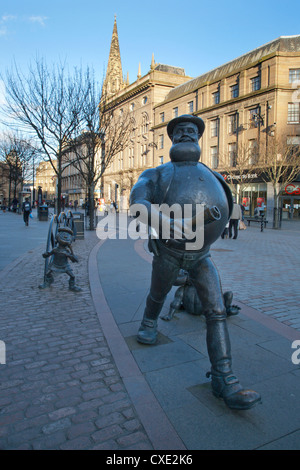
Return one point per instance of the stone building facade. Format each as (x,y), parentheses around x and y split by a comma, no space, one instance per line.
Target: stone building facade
(140,99)
(46,179)
(244,103)
(4,182)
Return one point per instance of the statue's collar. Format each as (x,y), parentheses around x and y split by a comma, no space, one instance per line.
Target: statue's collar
(185,163)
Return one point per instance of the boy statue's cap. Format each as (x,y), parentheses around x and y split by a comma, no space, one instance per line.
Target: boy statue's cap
(65,229)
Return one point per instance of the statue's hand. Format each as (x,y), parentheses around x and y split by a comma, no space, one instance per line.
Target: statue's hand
(45,255)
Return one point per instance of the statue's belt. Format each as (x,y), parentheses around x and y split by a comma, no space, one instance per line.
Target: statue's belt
(178,249)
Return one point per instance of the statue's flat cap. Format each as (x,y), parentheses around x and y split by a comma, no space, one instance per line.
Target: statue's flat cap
(65,229)
(186,118)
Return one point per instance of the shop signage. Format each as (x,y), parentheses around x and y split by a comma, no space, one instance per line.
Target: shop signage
(292,188)
(245,177)
(260,201)
(246,202)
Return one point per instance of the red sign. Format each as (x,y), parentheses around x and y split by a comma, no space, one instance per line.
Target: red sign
(260,201)
(246,201)
(292,188)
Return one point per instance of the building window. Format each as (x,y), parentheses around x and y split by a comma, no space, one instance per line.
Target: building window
(214,128)
(132,107)
(232,123)
(214,157)
(216,97)
(131,157)
(144,124)
(175,112)
(232,154)
(162,117)
(253,117)
(142,155)
(145,99)
(253,152)
(234,91)
(255,83)
(191,106)
(161,159)
(294,75)
(293,113)
(293,143)
(161,141)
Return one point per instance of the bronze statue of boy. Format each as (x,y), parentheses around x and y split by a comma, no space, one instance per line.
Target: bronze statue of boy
(61,254)
(186,181)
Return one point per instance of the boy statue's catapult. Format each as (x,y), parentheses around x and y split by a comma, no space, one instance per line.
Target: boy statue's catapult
(57,259)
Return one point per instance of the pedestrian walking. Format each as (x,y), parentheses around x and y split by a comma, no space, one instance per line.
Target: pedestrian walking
(26,209)
(236,216)
(15,204)
(4,205)
(243,212)
(225,231)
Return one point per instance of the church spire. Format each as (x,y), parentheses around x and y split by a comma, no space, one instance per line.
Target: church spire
(152,66)
(114,75)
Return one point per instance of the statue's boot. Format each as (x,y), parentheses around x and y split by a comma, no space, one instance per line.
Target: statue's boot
(49,279)
(224,383)
(147,333)
(73,287)
(227,296)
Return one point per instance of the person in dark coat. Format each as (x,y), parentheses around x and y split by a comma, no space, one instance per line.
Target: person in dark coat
(26,209)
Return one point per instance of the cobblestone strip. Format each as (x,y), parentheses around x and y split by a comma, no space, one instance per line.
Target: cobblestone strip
(59,388)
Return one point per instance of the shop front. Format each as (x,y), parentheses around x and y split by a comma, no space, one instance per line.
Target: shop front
(290,202)
(254,195)
(249,190)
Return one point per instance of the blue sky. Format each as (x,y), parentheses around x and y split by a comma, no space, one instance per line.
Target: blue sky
(196,35)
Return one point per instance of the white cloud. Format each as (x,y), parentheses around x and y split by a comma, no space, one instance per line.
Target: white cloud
(6,18)
(38,19)
(3,24)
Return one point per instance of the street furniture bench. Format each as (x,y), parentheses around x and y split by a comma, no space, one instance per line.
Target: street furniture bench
(263,222)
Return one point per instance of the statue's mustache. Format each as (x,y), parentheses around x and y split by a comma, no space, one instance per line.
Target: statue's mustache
(185,138)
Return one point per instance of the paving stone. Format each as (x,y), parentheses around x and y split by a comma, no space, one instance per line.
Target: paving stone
(54,355)
(61,388)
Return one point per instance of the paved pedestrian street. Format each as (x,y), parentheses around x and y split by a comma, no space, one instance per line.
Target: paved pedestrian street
(73,376)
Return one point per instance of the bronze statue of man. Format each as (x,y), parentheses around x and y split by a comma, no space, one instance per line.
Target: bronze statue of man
(186,181)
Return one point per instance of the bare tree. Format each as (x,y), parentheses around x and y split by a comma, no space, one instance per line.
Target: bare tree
(17,153)
(47,104)
(238,167)
(279,165)
(106,135)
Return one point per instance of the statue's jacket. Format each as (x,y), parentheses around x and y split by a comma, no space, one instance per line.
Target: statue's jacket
(185,183)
